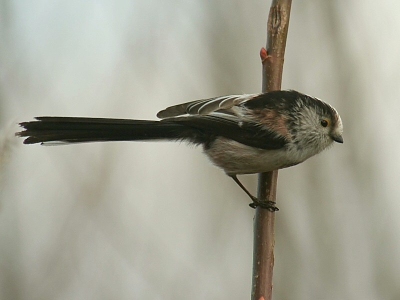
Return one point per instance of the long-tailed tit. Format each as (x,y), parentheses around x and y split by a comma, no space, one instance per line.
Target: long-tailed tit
(242,134)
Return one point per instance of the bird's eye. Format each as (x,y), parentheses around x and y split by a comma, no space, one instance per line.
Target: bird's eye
(324,123)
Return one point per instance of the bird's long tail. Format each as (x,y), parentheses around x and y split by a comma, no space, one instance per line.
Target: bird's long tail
(81,130)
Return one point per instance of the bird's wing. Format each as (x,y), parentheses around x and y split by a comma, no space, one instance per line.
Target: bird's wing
(205,106)
(231,127)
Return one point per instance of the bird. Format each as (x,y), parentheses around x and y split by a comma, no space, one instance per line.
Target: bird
(241,134)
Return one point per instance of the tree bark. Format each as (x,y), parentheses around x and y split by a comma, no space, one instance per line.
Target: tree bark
(272,58)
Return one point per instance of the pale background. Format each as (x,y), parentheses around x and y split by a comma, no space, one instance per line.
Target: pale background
(156,220)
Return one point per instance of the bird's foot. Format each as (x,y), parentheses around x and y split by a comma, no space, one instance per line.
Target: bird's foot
(269,205)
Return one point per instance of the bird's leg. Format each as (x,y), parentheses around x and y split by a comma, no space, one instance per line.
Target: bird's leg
(270,205)
(243,188)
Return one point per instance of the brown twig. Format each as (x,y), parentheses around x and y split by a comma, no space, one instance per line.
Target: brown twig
(272,58)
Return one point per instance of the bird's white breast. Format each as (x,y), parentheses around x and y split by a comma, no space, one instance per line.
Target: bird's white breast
(236,158)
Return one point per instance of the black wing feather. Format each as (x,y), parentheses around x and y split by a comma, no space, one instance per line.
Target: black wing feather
(231,127)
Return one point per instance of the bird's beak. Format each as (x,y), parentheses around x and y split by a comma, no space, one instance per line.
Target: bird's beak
(337,138)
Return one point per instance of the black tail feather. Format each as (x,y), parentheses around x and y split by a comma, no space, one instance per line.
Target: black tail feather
(81,130)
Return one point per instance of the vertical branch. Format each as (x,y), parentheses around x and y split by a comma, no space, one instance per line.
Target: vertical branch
(272,58)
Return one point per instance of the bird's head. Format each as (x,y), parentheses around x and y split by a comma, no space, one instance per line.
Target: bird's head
(318,124)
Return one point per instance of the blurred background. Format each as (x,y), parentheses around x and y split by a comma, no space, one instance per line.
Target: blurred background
(156,220)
